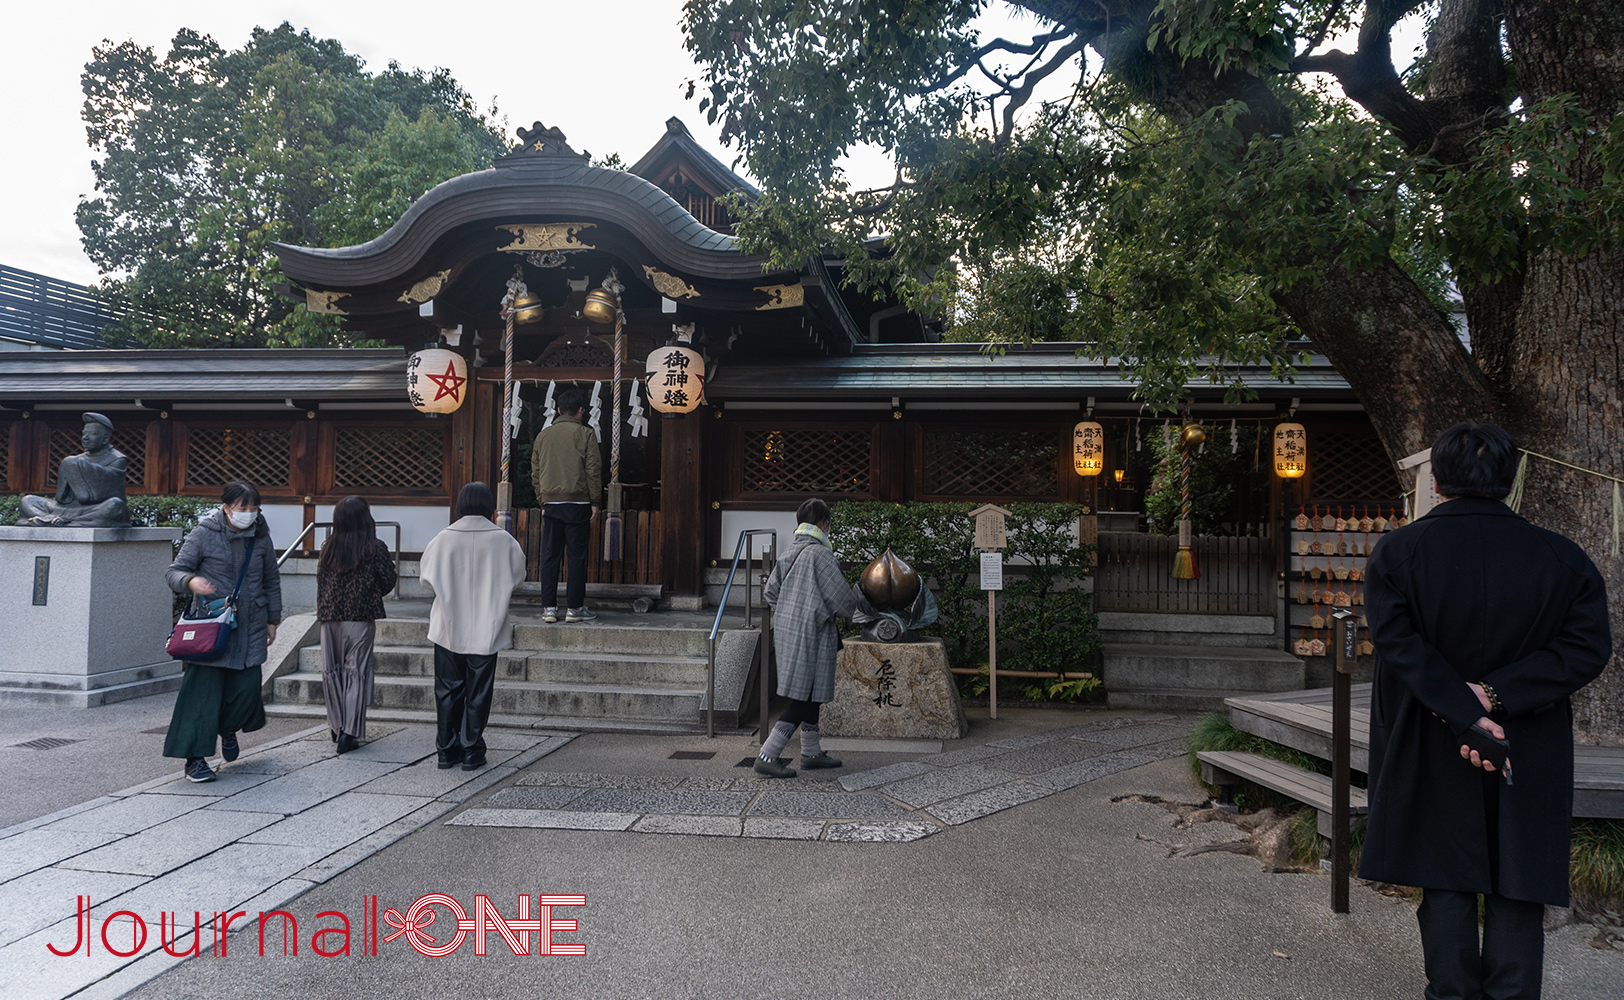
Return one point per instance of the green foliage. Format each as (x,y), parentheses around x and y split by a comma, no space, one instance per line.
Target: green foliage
(1045,614)
(145,511)
(1597,874)
(1160,208)
(1214,731)
(206,157)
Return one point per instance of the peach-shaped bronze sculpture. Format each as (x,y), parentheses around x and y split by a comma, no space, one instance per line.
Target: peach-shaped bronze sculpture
(892,600)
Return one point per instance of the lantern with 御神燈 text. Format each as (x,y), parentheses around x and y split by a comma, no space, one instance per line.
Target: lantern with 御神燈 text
(1290,451)
(436,380)
(1088,448)
(676,379)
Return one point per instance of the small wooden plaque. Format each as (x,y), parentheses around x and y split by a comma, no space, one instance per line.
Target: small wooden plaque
(990,527)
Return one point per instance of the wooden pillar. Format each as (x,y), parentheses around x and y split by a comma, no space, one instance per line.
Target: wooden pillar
(682,502)
(460,461)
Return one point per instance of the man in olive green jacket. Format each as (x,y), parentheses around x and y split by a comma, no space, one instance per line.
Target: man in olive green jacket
(566,469)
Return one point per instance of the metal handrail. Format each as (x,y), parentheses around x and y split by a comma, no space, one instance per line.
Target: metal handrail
(766,627)
(312,526)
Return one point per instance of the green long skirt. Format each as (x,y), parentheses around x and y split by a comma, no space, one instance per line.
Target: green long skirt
(213,701)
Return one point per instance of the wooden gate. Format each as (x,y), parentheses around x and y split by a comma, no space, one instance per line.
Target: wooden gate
(1135,573)
(639,544)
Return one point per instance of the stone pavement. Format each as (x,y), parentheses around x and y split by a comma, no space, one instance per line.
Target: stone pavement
(1027,876)
(286,816)
(899,802)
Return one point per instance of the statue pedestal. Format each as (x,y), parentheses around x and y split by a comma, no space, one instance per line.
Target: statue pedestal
(85,614)
(898,690)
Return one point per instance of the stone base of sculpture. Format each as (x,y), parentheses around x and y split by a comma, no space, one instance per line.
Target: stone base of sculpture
(895,690)
(85,614)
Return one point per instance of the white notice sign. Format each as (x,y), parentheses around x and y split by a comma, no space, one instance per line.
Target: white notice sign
(992,571)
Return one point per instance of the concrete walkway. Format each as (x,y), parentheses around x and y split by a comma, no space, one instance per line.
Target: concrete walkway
(1024,875)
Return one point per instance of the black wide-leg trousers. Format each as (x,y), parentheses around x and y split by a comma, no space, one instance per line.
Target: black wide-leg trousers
(1507,965)
(463,687)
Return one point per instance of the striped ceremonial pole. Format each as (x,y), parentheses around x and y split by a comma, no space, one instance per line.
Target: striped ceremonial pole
(504,489)
(1184,567)
(611,522)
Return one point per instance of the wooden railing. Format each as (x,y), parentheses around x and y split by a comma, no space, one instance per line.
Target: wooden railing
(1135,573)
(640,548)
(47,311)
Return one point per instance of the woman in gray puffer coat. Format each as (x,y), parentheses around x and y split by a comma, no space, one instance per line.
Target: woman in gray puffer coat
(221,696)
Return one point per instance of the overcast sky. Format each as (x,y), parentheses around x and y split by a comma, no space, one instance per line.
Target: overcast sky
(608,72)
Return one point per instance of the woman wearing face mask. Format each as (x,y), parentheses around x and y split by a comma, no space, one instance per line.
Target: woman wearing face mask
(220,697)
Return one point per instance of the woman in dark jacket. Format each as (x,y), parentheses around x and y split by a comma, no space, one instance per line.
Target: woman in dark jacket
(353,574)
(221,697)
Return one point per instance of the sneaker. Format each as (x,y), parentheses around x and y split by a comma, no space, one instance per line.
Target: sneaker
(580,615)
(549,615)
(774,768)
(821,760)
(197,769)
(229,749)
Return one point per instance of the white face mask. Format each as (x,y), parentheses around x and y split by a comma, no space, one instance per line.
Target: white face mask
(242,520)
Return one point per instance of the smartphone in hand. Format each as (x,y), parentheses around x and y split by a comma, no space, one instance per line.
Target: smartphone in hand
(1489,748)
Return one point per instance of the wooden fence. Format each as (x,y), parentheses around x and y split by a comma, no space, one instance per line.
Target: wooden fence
(1135,573)
(640,548)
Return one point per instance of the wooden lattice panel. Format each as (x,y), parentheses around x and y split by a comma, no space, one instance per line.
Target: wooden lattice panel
(1351,468)
(964,463)
(218,455)
(807,461)
(129,439)
(388,458)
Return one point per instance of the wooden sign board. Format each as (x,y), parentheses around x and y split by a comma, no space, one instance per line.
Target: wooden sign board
(1088,530)
(990,527)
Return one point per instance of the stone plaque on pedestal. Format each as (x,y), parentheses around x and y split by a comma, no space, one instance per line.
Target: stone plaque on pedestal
(85,614)
(897,690)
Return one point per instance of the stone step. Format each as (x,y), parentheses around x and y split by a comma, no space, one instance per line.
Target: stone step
(1219,670)
(1183,629)
(1166,700)
(546,725)
(549,668)
(1220,640)
(591,637)
(525,698)
(402,632)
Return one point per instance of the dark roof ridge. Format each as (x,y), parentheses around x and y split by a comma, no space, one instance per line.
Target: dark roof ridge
(677,138)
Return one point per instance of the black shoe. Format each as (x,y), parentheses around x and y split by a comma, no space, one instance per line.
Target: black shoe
(450,759)
(474,762)
(346,743)
(197,769)
(774,768)
(332,735)
(229,748)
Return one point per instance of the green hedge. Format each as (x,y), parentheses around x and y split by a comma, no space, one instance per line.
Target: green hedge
(1045,615)
(145,511)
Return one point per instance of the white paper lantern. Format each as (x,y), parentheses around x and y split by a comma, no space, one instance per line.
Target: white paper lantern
(676,379)
(436,380)
(1088,448)
(1290,451)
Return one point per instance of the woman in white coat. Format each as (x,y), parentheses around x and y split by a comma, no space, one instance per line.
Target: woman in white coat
(471,567)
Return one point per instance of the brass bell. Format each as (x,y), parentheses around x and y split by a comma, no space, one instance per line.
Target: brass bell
(601,306)
(527,308)
(1194,433)
(888,582)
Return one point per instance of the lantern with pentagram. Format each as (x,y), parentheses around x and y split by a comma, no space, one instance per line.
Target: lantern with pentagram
(676,379)
(436,380)
(1290,451)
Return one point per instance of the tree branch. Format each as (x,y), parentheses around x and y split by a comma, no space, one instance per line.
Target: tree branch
(1023,93)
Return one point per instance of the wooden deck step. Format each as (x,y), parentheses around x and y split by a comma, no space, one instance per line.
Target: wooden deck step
(1302,720)
(1225,767)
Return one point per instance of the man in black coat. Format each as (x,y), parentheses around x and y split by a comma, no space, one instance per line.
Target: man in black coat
(1478,617)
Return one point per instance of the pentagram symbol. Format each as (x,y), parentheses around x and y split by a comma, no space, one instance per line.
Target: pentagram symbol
(450,383)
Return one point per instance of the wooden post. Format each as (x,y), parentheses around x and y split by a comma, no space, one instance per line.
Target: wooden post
(992,654)
(682,515)
(1341,736)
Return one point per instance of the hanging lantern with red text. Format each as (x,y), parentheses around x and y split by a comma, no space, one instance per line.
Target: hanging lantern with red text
(676,379)
(436,380)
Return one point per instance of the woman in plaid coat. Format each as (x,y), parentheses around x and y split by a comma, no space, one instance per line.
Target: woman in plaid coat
(807,593)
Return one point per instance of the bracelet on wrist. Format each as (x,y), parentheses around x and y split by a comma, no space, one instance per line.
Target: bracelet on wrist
(1494,699)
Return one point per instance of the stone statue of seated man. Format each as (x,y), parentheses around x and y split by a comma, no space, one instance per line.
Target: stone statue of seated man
(89,486)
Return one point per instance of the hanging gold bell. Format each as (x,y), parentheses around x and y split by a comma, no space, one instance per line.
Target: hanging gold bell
(1194,433)
(527,308)
(601,306)
(888,582)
